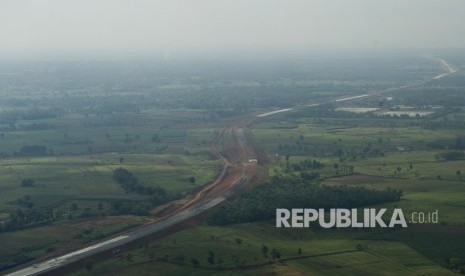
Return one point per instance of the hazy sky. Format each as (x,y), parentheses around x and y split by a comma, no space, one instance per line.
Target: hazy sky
(163,27)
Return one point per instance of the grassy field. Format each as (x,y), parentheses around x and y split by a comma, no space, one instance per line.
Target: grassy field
(63,177)
(420,249)
(74,176)
(32,243)
(160,127)
(238,249)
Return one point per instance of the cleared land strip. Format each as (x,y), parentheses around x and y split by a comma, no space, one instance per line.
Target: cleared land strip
(232,176)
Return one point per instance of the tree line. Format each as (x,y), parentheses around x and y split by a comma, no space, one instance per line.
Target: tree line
(131,184)
(291,191)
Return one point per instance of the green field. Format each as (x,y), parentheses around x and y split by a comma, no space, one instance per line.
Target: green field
(74,179)
(404,160)
(238,249)
(66,127)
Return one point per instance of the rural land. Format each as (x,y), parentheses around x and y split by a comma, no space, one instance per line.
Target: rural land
(177,166)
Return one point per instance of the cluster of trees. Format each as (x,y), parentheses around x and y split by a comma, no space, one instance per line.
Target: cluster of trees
(458,143)
(25,202)
(449,97)
(40,114)
(275,254)
(130,183)
(27,182)
(30,216)
(450,156)
(133,207)
(290,191)
(27,217)
(444,124)
(33,114)
(33,150)
(344,168)
(336,148)
(456,264)
(126,179)
(309,175)
(307,165)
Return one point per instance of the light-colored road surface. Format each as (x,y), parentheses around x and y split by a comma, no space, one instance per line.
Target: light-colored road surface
(236,172)
(113,243)
(448,68)
(352,98)
(273,112)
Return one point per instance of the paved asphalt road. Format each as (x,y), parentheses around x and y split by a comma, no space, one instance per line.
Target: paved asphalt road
(80,254)
(113,243)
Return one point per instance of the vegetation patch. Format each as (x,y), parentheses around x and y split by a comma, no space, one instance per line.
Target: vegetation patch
(261,202)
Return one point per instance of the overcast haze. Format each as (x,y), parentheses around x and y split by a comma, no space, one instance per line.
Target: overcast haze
(165,27)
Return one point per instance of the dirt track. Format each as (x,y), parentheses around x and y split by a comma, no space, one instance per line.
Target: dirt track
(236,172)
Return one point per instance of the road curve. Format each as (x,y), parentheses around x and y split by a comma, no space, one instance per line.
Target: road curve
(116,242)
(234,174)
(448,68)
